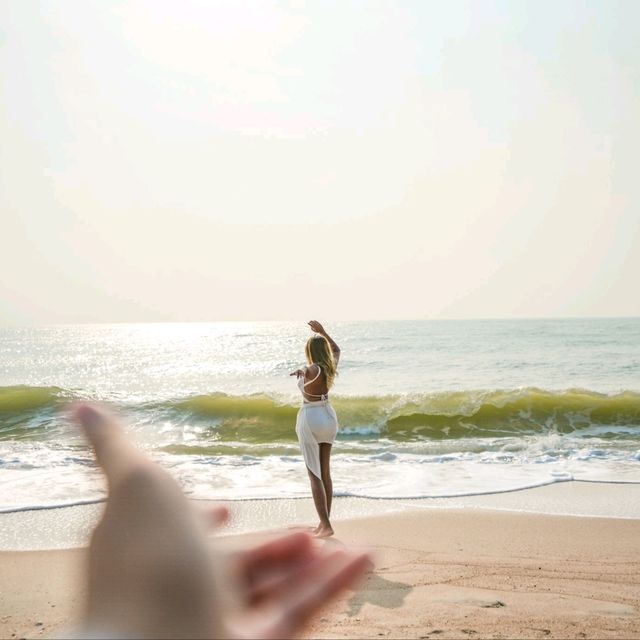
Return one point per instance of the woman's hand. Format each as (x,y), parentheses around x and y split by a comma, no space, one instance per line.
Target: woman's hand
(297,373)
(152,572)
(317,327)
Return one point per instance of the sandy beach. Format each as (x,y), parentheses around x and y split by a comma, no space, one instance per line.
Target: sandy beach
(441,573)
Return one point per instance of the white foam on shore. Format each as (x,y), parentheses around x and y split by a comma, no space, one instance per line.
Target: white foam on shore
(71,526)
(53,479)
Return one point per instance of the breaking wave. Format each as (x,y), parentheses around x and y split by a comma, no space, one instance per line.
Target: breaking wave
(260,418)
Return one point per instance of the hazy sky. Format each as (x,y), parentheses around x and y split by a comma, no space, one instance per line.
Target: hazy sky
(245,160)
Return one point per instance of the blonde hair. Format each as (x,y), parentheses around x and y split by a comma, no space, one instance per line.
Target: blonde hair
(319,352)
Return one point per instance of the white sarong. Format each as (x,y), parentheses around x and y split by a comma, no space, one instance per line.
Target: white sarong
(316,423)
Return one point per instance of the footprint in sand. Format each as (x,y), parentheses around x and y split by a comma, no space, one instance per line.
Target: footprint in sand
(494,605)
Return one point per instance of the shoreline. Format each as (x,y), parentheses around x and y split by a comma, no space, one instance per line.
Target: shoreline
(70,527)
(445,573)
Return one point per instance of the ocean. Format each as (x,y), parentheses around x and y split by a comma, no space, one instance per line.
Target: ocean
(428,408)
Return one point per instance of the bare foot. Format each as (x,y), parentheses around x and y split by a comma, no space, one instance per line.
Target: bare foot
(324,531)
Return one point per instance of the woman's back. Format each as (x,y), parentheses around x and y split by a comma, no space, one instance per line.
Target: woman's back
(313,384)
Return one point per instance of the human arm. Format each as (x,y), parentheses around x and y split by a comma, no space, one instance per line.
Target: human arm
(318,328)
(153,573)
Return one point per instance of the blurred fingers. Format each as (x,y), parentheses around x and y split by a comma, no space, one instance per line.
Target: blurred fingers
(265,567)
(214,517)
(313,588)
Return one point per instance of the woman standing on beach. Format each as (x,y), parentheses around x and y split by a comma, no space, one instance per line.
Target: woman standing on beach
(317,423)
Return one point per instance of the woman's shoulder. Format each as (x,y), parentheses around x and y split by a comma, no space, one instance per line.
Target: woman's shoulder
(312,370)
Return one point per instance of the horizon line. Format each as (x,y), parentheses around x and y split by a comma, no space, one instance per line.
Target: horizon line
(275,320)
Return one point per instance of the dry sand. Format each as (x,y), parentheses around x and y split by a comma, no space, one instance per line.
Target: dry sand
(439,574)
(493,575)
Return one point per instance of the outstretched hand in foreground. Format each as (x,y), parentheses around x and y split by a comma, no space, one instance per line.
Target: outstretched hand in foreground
(153,573)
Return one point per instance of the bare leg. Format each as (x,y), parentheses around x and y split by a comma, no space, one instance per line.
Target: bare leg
(325,471)
(320,500)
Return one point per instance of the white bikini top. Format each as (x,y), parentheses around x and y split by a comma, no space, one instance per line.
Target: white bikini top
(302,384)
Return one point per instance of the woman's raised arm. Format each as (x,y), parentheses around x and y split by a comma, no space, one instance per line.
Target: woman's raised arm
(318,328)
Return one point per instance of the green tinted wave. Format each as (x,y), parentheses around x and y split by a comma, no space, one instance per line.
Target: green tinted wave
(259,418)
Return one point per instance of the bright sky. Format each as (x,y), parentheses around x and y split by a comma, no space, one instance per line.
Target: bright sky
(174,160)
